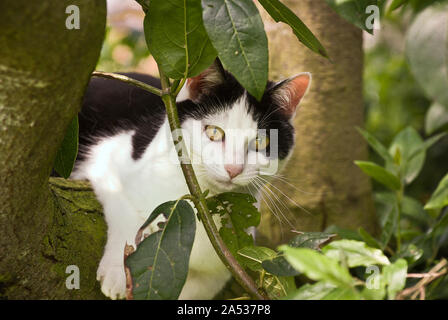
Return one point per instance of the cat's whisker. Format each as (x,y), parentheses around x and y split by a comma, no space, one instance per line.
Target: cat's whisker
(287,197)
(283,179)
(264,195)
(275,199)
(257,190)
(282,203)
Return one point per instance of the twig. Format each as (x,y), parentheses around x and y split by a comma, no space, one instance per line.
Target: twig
(123,78)
(240,298)
(419,289)
(423,275)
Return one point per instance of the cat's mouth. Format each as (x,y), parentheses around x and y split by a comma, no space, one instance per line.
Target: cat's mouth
(226,185)
(229,186)
(220,185)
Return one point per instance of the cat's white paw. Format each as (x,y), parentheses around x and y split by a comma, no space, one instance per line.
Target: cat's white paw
(113,280)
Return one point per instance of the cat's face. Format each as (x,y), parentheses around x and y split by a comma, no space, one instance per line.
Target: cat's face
(234,140)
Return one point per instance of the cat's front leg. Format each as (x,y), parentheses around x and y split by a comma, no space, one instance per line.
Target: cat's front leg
(123,223)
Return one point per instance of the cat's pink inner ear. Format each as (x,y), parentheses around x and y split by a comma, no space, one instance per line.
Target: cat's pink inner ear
(295,90)
(194,86)
(204,82)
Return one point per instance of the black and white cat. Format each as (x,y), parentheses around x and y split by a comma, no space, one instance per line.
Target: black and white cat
(127,154)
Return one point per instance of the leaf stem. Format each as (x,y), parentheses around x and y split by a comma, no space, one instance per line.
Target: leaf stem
(126,79)
(179,87)
(400,194)
(199,200)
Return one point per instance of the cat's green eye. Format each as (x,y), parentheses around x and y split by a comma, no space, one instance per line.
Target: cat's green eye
(260,143)
(214,133)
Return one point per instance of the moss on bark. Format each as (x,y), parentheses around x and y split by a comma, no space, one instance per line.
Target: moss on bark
(44,70)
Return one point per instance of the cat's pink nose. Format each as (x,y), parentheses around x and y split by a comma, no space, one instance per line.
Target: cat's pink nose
(233,169)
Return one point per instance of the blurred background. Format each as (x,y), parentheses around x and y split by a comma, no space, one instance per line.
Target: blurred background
(393,96)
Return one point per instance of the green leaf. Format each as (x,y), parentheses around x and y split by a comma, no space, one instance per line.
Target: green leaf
(237,33)
(252,257)
(323,291)
(426,49)
(413,210)
(355,253)
(279,266)
(177,39)
(439,198)
(281,13)
(368,239)
(312,240)
(412,151)
(436,118)
(354,11)
(380,174)
(342,294)
(384,201)
(440,230)
(66,156)
(396,4)
(159,266)
(428,143)
(316,291)
(237,213)
(376,145)
(317,266)
(389,225)
(278,287)
(395,277)
(343,233)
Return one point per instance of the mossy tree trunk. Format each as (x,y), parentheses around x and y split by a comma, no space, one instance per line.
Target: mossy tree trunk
(330,188)
(45,225)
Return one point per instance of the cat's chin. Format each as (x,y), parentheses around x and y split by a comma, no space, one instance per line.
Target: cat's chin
(217,186)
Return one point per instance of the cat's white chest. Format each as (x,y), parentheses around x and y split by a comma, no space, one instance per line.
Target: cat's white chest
(129,191)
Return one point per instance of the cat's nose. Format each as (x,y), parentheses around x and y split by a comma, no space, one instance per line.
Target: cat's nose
(233,169)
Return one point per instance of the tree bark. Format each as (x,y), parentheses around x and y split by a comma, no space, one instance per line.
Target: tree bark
(45,225)
(330,188)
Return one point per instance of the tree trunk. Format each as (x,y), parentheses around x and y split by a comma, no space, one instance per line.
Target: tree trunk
(45,226)
(330,188)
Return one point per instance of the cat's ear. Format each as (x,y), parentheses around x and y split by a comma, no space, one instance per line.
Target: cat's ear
(290,92)
(206,81)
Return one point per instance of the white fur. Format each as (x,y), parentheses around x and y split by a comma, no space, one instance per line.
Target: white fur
(130,189)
